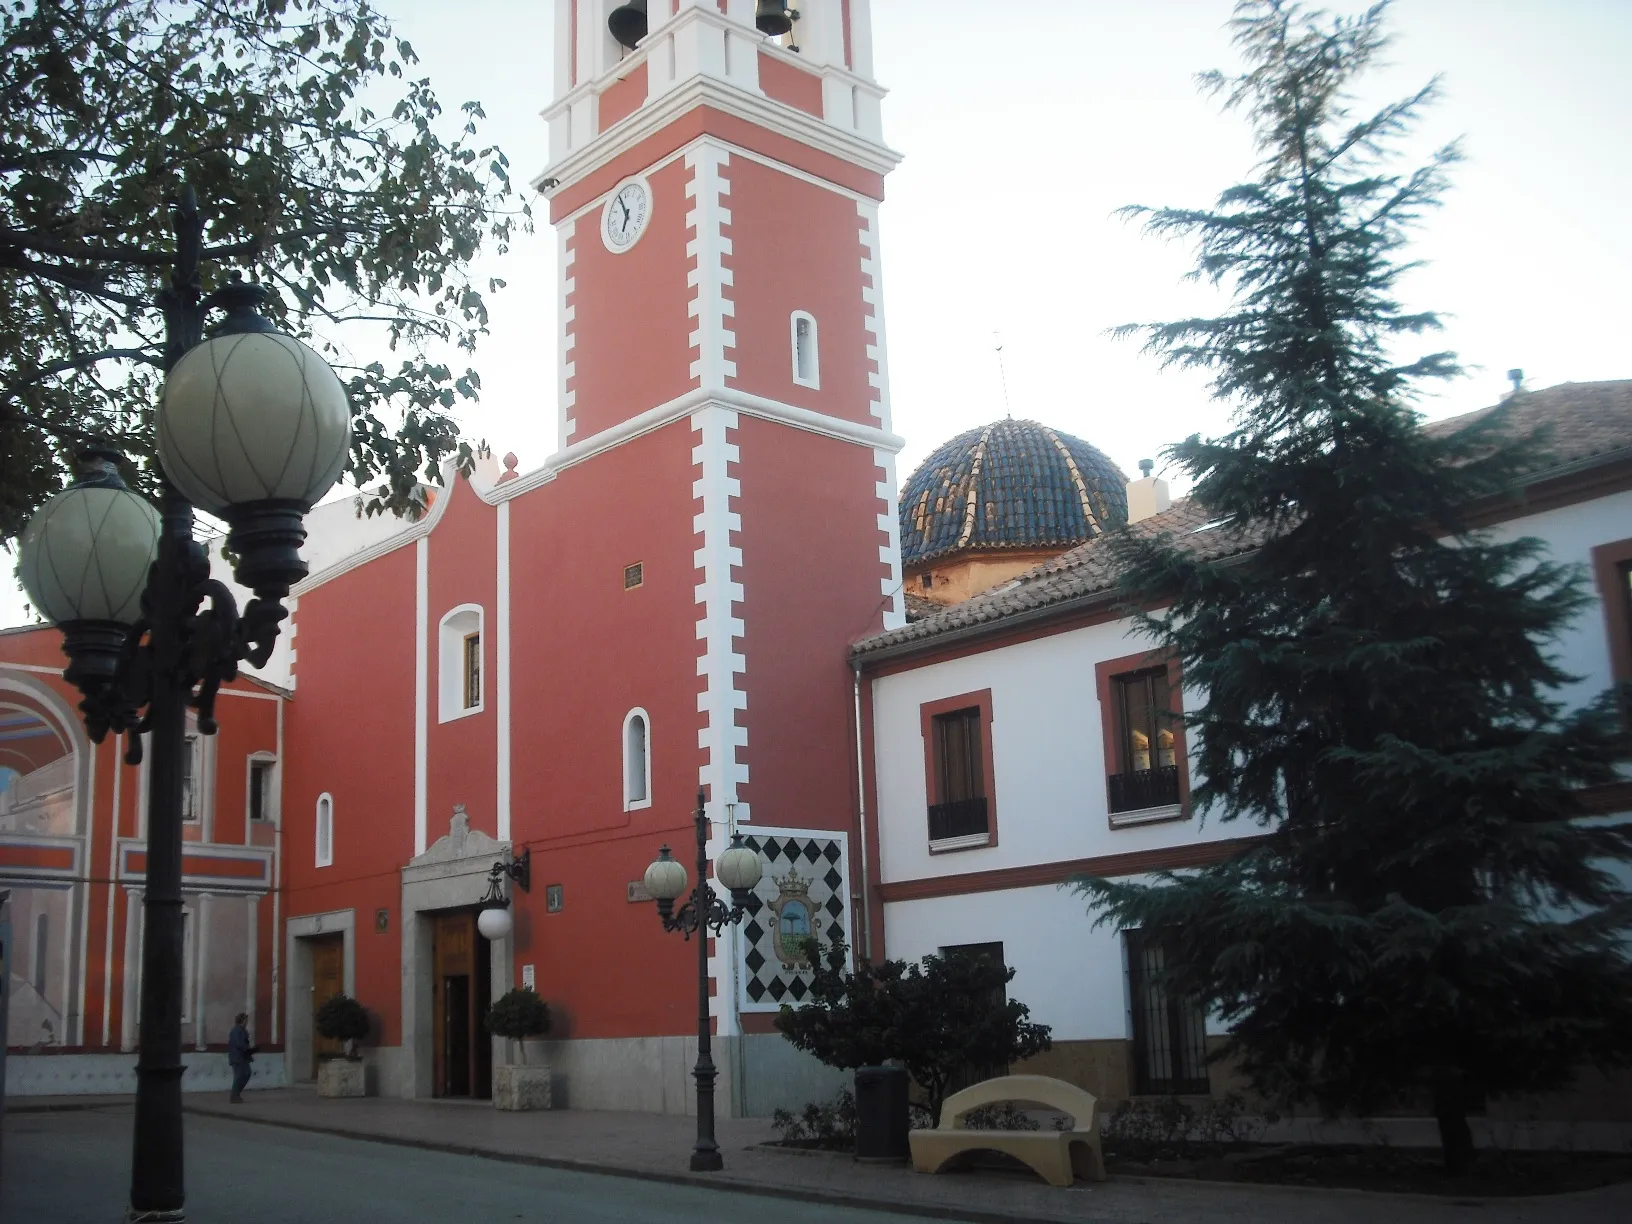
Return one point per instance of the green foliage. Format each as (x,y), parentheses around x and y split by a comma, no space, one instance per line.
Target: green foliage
(1168,1127)
(825,1124)
(1424,916)
(354,215)
(342,1018)
(936,1018)
(518,1013)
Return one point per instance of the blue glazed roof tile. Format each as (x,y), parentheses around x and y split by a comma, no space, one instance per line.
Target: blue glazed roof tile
(1010,484)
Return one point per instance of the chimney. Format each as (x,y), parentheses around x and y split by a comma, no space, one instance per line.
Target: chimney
(1148,495)
(1516,377)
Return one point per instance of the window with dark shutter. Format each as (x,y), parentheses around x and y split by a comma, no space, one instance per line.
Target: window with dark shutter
(958,805)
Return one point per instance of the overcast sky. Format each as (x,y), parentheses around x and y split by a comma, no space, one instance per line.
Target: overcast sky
(1024,127)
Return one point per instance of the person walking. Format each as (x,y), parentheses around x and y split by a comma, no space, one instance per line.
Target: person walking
(239,1055)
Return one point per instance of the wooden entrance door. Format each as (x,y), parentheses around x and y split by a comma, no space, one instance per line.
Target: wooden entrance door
(462,1054)
(328,980)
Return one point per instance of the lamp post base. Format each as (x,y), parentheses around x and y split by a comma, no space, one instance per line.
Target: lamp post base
(706,1160)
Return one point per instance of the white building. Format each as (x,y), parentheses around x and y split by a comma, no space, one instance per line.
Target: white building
(1010,743)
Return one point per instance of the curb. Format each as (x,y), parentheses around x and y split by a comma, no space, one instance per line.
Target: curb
(712,1181)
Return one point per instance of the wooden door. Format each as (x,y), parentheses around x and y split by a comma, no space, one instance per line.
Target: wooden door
(328,980)
(453,957)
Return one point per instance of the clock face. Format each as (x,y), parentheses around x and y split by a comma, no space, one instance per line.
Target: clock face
(625,215)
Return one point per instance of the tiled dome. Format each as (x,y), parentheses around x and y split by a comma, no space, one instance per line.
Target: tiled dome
(1010,484)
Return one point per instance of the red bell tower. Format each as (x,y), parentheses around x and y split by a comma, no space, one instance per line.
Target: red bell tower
(724,424)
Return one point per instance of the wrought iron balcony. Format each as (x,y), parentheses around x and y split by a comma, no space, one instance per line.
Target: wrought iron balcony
(1144,788)
(960,818)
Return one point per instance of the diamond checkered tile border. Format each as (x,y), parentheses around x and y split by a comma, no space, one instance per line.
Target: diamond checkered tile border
(804,868)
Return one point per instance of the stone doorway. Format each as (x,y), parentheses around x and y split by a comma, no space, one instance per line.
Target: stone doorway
(443,885)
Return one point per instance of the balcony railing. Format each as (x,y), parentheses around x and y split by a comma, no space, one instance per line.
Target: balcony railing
(1145,788)
(960,818)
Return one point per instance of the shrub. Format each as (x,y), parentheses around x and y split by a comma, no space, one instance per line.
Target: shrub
(518,1014)
(343,1019)
(937,1018)
(829,1124)
(1141,1130)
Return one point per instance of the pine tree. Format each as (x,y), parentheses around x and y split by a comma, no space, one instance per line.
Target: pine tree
(1425,917)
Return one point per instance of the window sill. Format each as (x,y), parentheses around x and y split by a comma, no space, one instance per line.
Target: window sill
(447,716)
(1151,815)
(635,805)
(973,841)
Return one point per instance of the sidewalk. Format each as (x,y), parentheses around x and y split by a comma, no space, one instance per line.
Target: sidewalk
(657,1147)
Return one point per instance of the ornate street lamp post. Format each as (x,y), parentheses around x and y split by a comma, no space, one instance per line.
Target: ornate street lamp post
(739,870)
(255,427)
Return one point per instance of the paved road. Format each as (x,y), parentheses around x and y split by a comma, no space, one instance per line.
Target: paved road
(73,1167)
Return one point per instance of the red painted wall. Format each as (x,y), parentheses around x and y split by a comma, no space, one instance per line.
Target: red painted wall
(349,731)
(461,765)
(584,652)
(632,347)
(786,83)
(813,266)
(811,586)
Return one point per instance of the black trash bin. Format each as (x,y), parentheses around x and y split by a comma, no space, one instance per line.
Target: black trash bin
(881,1114)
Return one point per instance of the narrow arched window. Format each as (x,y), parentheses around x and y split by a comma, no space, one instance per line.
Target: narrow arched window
(637,760)
(325,831)
(807,365)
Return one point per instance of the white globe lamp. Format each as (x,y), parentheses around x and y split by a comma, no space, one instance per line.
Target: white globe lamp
(84,559)
(254,427)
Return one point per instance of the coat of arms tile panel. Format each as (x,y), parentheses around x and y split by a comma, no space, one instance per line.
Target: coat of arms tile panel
(803,892)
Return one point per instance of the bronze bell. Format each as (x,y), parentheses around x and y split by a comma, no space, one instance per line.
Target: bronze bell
(772,17)
(627,24)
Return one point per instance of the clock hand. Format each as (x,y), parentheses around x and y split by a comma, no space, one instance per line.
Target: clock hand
(625,208)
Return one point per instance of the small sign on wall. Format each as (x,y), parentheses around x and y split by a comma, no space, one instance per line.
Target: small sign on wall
(528,978)
(637,891)
(382,921)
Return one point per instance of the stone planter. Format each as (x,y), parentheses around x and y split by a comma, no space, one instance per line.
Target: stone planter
(341,1077)
(521,1087)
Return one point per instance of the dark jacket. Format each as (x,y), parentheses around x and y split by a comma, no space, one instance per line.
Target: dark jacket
(239,1051)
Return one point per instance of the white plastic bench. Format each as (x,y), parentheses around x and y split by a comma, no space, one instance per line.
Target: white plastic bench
(1056,1156)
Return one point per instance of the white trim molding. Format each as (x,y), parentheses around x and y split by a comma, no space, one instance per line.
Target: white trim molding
(709,278)
(422,666)
(565,366)
(889,551)
(872,296)
(858,147)
(718,594)
(501,668)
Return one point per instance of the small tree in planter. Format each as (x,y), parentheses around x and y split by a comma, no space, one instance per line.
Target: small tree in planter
(345,1020)
(518,1015)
